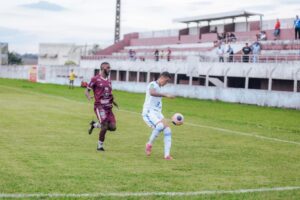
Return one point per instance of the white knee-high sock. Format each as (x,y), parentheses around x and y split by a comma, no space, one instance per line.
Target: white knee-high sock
(167,140)
(97,125)
(158,128)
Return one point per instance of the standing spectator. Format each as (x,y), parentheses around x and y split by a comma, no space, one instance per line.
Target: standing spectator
(277,29)
(232,37)
(246,51)
(230,53)
(297,28)
(156,55)
(256,51)
(72,77)
(130,54)
(220,53)
(162,54)
(169,52)
(133,55)
(261,36)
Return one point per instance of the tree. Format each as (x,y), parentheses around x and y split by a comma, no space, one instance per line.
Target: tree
(70,62)
(14,59)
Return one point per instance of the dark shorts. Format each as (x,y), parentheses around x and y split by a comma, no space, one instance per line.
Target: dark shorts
(104,115)
(72,82)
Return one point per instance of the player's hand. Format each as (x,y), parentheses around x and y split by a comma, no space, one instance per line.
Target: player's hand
(115,104)
(90,97)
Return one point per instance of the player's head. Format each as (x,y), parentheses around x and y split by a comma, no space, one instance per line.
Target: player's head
(164,78)
(105,68)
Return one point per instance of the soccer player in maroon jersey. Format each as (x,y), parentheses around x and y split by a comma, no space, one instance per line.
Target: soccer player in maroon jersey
(104,101)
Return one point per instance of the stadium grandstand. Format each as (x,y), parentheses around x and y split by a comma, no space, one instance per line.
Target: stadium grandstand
(271,77)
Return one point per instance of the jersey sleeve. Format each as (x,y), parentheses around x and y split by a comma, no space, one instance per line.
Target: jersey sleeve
(152,86)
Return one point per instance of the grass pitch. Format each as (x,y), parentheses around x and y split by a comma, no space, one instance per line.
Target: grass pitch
(45,147)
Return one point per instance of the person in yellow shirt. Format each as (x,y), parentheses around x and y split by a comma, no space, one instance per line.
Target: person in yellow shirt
(72,77)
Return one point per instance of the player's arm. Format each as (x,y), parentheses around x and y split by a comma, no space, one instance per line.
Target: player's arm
(87,93)
(115,104)
(156,94)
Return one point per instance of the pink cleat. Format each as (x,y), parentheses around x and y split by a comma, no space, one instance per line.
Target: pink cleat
(169,158)
(148,149)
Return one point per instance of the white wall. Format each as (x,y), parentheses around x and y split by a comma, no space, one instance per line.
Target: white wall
(250,96)
(58,75)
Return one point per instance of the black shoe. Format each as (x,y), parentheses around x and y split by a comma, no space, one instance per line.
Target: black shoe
(92,127)
(100,149)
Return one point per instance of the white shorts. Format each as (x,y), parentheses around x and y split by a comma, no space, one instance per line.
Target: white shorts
(152,118)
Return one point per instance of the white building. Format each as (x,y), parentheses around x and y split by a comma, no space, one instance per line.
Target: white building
(61,53)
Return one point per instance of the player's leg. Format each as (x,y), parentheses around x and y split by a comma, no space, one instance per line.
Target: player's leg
(102,117)
(94,124)
(168,143)
(102,136)
(157,125)
(112,121)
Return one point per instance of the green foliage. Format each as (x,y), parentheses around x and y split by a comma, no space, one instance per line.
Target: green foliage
(70,62)
(14,59)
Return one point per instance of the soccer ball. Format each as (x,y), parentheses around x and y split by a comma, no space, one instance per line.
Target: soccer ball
(177,119)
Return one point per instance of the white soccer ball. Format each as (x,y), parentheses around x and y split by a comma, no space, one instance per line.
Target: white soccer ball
(177,119)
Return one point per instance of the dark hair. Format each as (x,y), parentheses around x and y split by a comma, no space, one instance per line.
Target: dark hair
(104,63)
(166,74)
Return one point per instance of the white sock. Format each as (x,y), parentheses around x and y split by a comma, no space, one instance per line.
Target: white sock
(159,127)
(100,144)
(167,140)
(97,125)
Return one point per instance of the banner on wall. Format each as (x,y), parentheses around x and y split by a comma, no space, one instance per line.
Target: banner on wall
(33,73)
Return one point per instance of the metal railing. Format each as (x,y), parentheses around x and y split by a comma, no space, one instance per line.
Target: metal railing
(226,58)
(252,58)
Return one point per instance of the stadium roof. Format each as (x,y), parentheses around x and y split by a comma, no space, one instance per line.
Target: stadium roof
(217,16)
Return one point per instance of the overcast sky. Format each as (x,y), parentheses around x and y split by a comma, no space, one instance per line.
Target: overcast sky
(26,23)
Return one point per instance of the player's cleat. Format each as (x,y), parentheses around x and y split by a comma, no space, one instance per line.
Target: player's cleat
(148,149)
(92,127)
(168,158)
(100,149)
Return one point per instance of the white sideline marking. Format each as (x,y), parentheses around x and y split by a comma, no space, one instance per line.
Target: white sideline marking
(230,131)
(143,194)
(186,123)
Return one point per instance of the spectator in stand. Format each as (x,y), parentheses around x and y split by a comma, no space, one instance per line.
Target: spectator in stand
(220,53)
(297,28)
(169,52)
(162,54)
(262,36)
(277,29)
(156,55)
(231,37)
(215,30)
(132,55)
(256,51)
(230,53)
(246,51)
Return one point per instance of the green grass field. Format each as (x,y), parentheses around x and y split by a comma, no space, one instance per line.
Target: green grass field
(45,147)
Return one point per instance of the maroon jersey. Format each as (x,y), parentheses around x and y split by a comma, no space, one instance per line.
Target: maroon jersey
(102,91)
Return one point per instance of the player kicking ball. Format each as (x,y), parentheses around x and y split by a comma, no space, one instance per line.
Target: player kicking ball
(152,114)
(104,101)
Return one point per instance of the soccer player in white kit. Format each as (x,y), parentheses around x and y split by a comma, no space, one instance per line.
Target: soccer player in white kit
(152,113)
